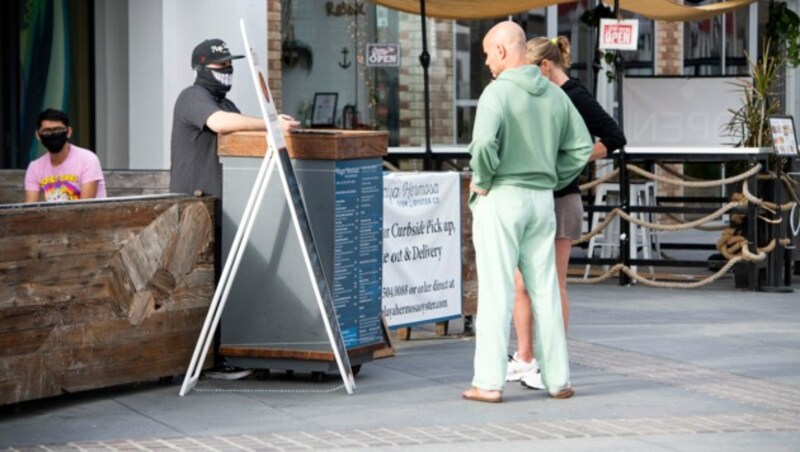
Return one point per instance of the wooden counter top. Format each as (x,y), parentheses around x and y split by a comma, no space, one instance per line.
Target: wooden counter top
(309,144)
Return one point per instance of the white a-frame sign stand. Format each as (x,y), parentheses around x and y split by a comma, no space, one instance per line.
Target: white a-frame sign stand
(276,155)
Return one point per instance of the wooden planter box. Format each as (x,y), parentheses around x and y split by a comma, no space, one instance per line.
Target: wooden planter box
(95,294)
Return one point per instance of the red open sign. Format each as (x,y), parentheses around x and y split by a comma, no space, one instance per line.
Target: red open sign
(619,34)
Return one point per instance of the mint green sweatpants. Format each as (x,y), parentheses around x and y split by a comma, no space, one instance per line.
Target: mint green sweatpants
(512,228)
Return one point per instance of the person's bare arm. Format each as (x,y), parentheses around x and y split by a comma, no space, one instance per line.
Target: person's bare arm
(89,190)
(288,123)
(227,122)
(599,151)
(31,196)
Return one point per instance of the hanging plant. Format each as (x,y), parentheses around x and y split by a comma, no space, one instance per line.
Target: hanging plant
(783,30)
(749,126)
(297,53)
(591,20)
(609,56)
(591,17)
(294,52)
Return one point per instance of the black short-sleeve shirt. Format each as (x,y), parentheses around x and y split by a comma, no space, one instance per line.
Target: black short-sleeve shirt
(195,164)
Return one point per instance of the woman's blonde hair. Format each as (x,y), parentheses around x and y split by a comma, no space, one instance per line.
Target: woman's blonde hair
(557,50)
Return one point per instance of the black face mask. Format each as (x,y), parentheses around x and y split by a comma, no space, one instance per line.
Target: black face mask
(54,142)
(218,81)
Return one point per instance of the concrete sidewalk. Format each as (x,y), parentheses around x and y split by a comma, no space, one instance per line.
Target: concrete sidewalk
(709,369)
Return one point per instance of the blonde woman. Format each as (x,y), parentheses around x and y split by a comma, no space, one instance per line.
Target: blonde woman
(554,59)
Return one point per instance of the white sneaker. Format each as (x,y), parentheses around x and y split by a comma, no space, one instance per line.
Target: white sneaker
(518,368)
(533,380)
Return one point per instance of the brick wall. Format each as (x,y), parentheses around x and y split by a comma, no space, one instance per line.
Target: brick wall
(669,48)
(274,50)
(669,61)
(412,103)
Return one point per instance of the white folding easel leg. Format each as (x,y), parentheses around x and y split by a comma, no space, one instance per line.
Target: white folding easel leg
(231,267)
(337,344)
(299,217)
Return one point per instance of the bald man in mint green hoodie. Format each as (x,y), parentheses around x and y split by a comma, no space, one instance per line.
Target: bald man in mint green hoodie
(528,140)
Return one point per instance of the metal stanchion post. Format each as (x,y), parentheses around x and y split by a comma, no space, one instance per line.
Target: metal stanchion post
(752,234)
(425,61)
(624,182)
(776,257)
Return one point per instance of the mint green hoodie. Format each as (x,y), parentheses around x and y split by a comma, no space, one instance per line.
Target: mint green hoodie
(527,133)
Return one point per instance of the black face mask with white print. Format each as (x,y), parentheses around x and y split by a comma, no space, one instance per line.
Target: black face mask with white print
(218,81)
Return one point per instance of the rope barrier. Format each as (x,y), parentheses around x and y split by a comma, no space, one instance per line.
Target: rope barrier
(586,237)
(733,247)
(648,175)
(671,171)
(613,271)
(692,285)
(766,205)
(390,167)
(596,182)
(698,227)
(682,226)
(788,182)
(769,220)
(605,276)
(728,243)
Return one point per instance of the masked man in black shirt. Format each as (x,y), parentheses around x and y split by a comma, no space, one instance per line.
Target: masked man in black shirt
(201,112)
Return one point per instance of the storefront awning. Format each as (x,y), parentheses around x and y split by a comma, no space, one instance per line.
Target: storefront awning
(669,10)
(468,9)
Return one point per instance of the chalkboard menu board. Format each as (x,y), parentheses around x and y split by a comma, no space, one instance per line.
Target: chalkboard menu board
(358,221)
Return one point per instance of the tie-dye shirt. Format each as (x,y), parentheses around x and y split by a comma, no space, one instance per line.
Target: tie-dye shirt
(63,182)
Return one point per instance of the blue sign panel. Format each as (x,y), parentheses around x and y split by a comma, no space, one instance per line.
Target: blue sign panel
(358,243)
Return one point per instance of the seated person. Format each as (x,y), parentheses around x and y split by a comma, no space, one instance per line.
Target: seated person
(67,172)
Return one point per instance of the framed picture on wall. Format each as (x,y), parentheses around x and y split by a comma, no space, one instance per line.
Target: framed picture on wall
(784,138)
(323,112)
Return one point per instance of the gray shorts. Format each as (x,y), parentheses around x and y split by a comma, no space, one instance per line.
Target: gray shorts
(569,216)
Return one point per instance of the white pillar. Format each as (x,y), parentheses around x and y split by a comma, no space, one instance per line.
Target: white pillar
(552,21)
(146,88)
(111,83)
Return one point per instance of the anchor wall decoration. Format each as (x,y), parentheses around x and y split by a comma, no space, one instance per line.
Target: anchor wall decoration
(344,64)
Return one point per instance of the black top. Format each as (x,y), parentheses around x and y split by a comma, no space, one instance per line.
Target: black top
(195,164)
(599,123)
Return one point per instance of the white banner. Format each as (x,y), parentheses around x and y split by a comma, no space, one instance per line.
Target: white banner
(679,111)
(421,247)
